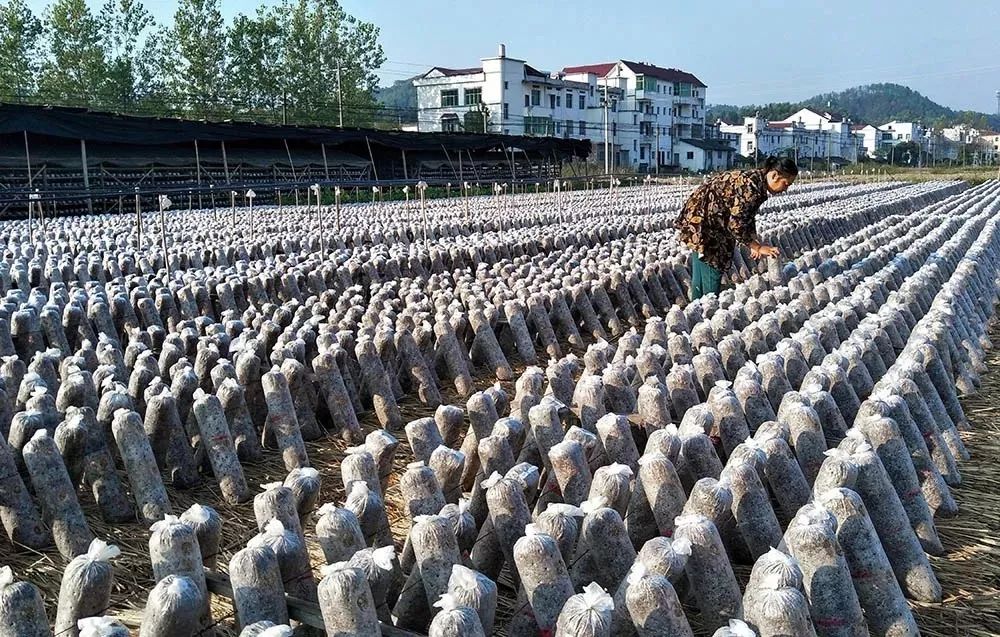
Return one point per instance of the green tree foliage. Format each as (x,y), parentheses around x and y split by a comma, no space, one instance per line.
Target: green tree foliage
(875,104)
(254,74)
(197,76)
(319,38)
(75,66)
(273,64)
(19,51)
(129,53)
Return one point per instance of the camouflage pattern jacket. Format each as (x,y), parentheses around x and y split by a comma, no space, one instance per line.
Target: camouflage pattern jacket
(720,213)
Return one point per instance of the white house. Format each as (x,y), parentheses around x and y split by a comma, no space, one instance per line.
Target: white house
(660,106)
(989,144)
(704,155)
(804,135)
(505,95)
(825,135)
(870,138)
(900,132)
(961,133)
(638,109)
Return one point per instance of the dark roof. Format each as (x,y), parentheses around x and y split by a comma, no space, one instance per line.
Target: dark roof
(450,72)
(79,123)
(660,73)
(708,144)
(667,75)
(530,70)
(597,69)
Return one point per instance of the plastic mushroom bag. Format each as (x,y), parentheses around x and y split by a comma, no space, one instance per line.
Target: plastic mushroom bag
(101,627)
(587,614)
(86,586)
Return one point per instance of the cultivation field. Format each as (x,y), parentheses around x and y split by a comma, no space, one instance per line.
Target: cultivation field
(499,415)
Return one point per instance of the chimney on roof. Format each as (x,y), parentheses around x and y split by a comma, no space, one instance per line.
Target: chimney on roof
(503,50)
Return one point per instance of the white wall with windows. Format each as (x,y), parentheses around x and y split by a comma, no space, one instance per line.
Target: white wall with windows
(647,111)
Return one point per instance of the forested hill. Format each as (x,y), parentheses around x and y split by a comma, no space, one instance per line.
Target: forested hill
(871,104)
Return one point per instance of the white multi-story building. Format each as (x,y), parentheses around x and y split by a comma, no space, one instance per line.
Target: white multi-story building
(961,133)
(637,109)
(899,132)
(989,143)
(871,138)
(805,134)
(824,135)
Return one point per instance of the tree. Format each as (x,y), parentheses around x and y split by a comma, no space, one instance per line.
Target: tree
(75,69)
(153,68)
(253,70)
(19,52)
(197,74)
(125,26)
(318,38)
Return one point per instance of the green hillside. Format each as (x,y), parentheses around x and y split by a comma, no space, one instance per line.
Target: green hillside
(871,104)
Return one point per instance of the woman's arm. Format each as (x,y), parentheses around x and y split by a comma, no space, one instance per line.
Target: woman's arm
(743,222)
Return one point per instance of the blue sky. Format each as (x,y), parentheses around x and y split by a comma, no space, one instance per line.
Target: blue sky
(746,51)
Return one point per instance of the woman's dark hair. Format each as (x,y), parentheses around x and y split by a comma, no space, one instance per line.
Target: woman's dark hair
(784,165)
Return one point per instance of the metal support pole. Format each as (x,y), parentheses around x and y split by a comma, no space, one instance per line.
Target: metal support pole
(406,173)
(326,167)
(225,162)
(372,157)
(290,163)
(336,199)
(163,239)
(86,174)
(138,217)
(197,167)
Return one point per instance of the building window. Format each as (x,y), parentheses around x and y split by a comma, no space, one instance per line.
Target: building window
(538,126)
(505,86)
(569,127)
(558,100)
(558,128)
(614,128)
(527,100)
(635,145)
(449,97)
(536,97)
(583,127)
(449,123)
(569,100)
(506,110)
(473,96)
(690,154)
(580,102)
(642,153)
(635,119)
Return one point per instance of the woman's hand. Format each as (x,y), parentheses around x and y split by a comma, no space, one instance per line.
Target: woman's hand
(758,250)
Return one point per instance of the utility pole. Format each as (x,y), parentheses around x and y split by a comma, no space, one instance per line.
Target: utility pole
(340,96)
(658,131)
(607,152)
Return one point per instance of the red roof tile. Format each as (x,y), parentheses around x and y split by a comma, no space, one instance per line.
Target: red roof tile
(667,75)
(597,69)
(660,73)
